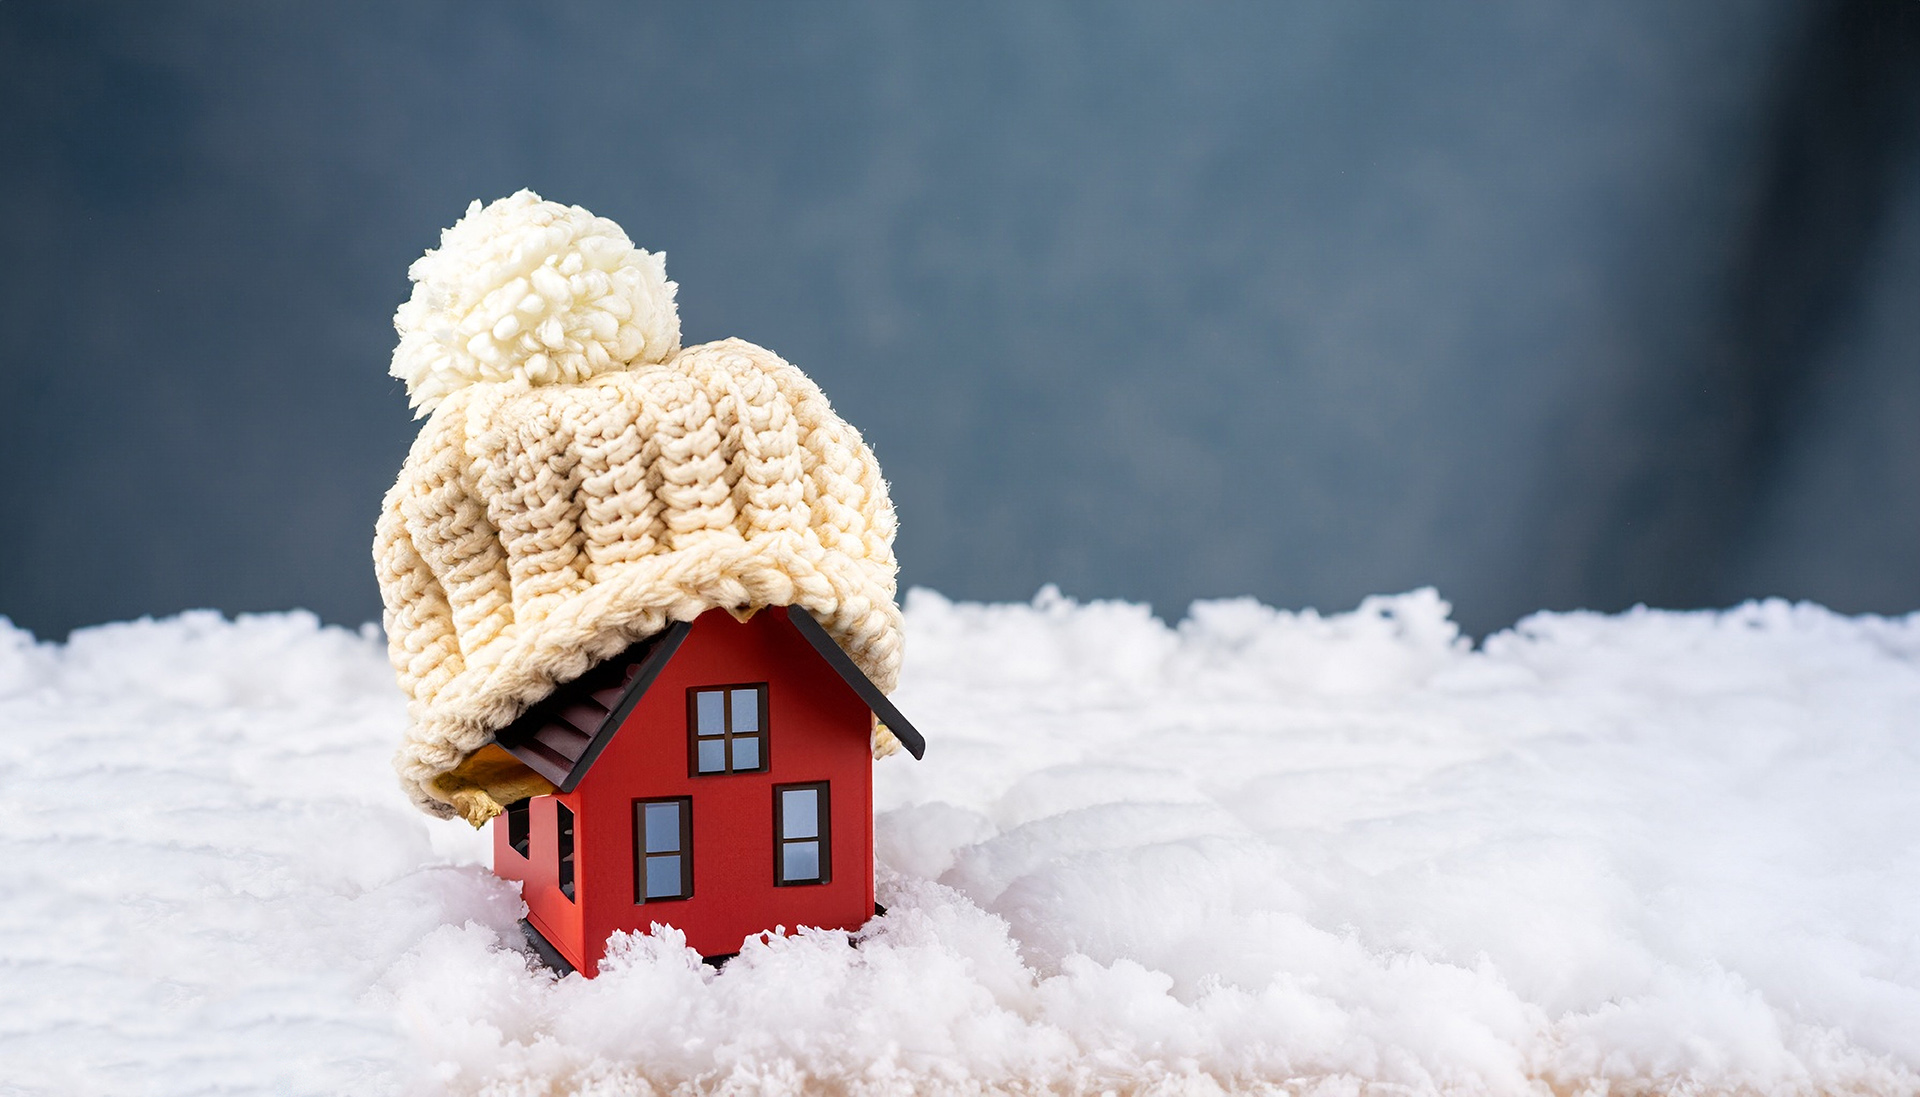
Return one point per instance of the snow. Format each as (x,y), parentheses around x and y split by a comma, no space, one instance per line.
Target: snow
(1256,851)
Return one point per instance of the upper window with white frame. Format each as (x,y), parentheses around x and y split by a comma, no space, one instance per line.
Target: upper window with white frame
(729,728)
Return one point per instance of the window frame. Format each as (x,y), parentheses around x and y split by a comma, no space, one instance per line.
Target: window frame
(823,833)
(519,824)
(728,736)
(564,845)
(684,852)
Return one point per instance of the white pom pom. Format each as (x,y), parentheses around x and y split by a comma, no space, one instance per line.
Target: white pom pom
(533,291)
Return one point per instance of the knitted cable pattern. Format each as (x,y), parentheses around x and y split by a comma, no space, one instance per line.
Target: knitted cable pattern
(582,482)
(535,531)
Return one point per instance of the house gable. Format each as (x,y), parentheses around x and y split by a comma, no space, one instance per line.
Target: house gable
(817,732)
(561,737)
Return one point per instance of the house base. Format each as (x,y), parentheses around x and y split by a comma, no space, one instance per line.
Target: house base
(555,962)
(544,949)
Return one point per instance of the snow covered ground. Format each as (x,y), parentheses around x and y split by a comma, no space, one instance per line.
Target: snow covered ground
(1258,850)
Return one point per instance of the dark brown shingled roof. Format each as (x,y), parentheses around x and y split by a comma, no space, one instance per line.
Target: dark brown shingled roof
(560,737)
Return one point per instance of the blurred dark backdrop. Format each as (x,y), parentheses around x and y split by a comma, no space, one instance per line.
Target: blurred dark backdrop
(1546,304)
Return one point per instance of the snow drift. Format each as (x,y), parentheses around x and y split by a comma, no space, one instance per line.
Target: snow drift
(1256,851)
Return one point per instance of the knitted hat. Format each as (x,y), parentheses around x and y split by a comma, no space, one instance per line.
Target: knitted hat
(582,481)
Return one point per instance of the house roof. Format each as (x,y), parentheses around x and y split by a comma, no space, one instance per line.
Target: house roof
(562,736)
(843,665)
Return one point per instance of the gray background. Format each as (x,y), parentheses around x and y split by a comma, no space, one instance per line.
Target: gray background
(1548,304)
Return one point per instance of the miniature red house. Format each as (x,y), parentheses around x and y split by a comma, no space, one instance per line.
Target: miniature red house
(716,777)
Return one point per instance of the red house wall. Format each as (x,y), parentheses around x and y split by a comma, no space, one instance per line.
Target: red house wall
(557,918)
(817,730)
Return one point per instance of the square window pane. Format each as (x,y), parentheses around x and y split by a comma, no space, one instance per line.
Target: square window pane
(746,710)
(710,711)
(800,813)
(746,753)
(800,862)
(663,828)
(663,877)
(713,756)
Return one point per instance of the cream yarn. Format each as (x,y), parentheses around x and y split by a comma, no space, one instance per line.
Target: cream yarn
(548,517)
(535,292)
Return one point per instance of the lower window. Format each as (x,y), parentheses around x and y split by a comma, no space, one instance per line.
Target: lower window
(802,846)
(662,849)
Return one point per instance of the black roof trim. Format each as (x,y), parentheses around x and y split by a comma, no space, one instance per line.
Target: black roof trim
(524,738)
(561,737)
(843,665)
